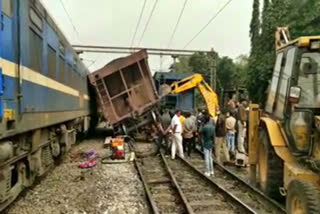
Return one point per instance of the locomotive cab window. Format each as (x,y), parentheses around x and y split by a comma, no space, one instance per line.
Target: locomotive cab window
(62,49)
(62,76)
(52,62)
(7,7)
(35,51)
(36,19)
(69,75)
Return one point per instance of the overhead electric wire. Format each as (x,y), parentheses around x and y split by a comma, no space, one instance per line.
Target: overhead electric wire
(209,22)
(96,60)
(177,24)
(70,19)
(138,23)
(149,19)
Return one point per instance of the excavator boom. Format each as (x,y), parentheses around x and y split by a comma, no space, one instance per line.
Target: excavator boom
(197,81)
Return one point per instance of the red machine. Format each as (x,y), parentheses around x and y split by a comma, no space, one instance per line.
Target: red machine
(118,148)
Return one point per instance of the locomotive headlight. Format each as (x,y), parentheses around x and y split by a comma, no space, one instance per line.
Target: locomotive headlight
(315,45)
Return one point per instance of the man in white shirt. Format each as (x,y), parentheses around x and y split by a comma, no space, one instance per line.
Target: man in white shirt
(176,128)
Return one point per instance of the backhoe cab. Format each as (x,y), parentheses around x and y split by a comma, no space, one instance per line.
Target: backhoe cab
(284,141)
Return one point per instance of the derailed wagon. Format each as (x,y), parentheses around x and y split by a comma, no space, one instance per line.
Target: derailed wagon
(125,91)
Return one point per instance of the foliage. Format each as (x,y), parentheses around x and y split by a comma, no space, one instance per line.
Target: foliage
(226,71)
(231,74)
(182,65)
(255,24)
(303,19)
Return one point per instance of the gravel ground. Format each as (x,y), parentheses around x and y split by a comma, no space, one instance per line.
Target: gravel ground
(105,189)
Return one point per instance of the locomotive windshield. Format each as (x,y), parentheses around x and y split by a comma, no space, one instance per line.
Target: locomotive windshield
(309,80)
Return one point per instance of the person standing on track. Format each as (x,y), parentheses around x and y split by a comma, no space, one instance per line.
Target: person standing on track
(176,128)
(230,126)
(242,123)
(221,142)
(163,127)
(208,134)
(189,127)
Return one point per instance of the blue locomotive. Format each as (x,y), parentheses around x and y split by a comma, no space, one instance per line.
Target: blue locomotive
(44,97)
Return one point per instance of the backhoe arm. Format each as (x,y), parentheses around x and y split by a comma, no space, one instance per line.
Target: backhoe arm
(197,81)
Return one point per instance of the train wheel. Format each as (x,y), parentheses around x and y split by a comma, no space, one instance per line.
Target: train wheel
(270,168)
(302,198)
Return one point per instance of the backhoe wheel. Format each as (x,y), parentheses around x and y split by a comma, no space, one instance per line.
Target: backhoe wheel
(302,198)
(270,168)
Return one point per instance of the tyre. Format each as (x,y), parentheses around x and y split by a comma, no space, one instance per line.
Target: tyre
(302,198)
(270,168)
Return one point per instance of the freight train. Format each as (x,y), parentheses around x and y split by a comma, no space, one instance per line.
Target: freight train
(44,95)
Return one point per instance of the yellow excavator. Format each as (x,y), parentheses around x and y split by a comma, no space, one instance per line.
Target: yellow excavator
(196,81)
(284,138)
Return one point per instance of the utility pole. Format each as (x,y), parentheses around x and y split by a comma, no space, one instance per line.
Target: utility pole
(213,69)
(174,63)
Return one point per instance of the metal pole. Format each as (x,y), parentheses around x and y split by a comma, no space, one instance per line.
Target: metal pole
(174,63)
(213,69)
(215,72)
(211,72)
(84,47)
(128,52)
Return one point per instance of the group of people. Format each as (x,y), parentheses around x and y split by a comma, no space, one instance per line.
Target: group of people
(226,132)
(231,131)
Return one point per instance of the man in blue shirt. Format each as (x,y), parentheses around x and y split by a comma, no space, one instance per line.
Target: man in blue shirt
(207,133)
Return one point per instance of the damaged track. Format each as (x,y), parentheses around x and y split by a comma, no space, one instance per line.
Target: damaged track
(175,186)
(240,188)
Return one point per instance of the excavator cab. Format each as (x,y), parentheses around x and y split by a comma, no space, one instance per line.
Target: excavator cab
(284,139)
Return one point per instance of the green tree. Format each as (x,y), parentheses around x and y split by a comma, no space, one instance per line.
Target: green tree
(262,55)
(255,25)
(226,70)
(240,76)
(303,19)
(182,65)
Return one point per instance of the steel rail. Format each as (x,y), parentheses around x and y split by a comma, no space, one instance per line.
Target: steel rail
(256,190)
(222,190)
(276,205)
(146,189)
(174,183)
(184,199)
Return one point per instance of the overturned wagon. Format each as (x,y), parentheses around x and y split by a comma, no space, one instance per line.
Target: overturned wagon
(125,89)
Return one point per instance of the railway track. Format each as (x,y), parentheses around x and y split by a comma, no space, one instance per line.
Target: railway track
(161,191)
(175,186)
(234,184)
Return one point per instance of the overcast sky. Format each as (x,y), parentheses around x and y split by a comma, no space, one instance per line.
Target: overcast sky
(113,22)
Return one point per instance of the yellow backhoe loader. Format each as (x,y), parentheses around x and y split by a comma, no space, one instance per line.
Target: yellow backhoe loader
(191,82)
(284,138)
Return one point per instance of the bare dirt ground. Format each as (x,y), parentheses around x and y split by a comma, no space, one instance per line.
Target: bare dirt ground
(105,188)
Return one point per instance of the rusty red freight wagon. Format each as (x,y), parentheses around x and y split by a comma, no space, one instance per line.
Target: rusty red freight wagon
(125,88)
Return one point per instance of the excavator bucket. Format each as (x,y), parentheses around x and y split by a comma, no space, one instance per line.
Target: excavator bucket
(164,90)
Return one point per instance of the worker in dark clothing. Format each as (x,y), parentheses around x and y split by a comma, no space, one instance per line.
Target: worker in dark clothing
(208,134)
(242,125)
(163,126)
(189,127)
(221,142)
